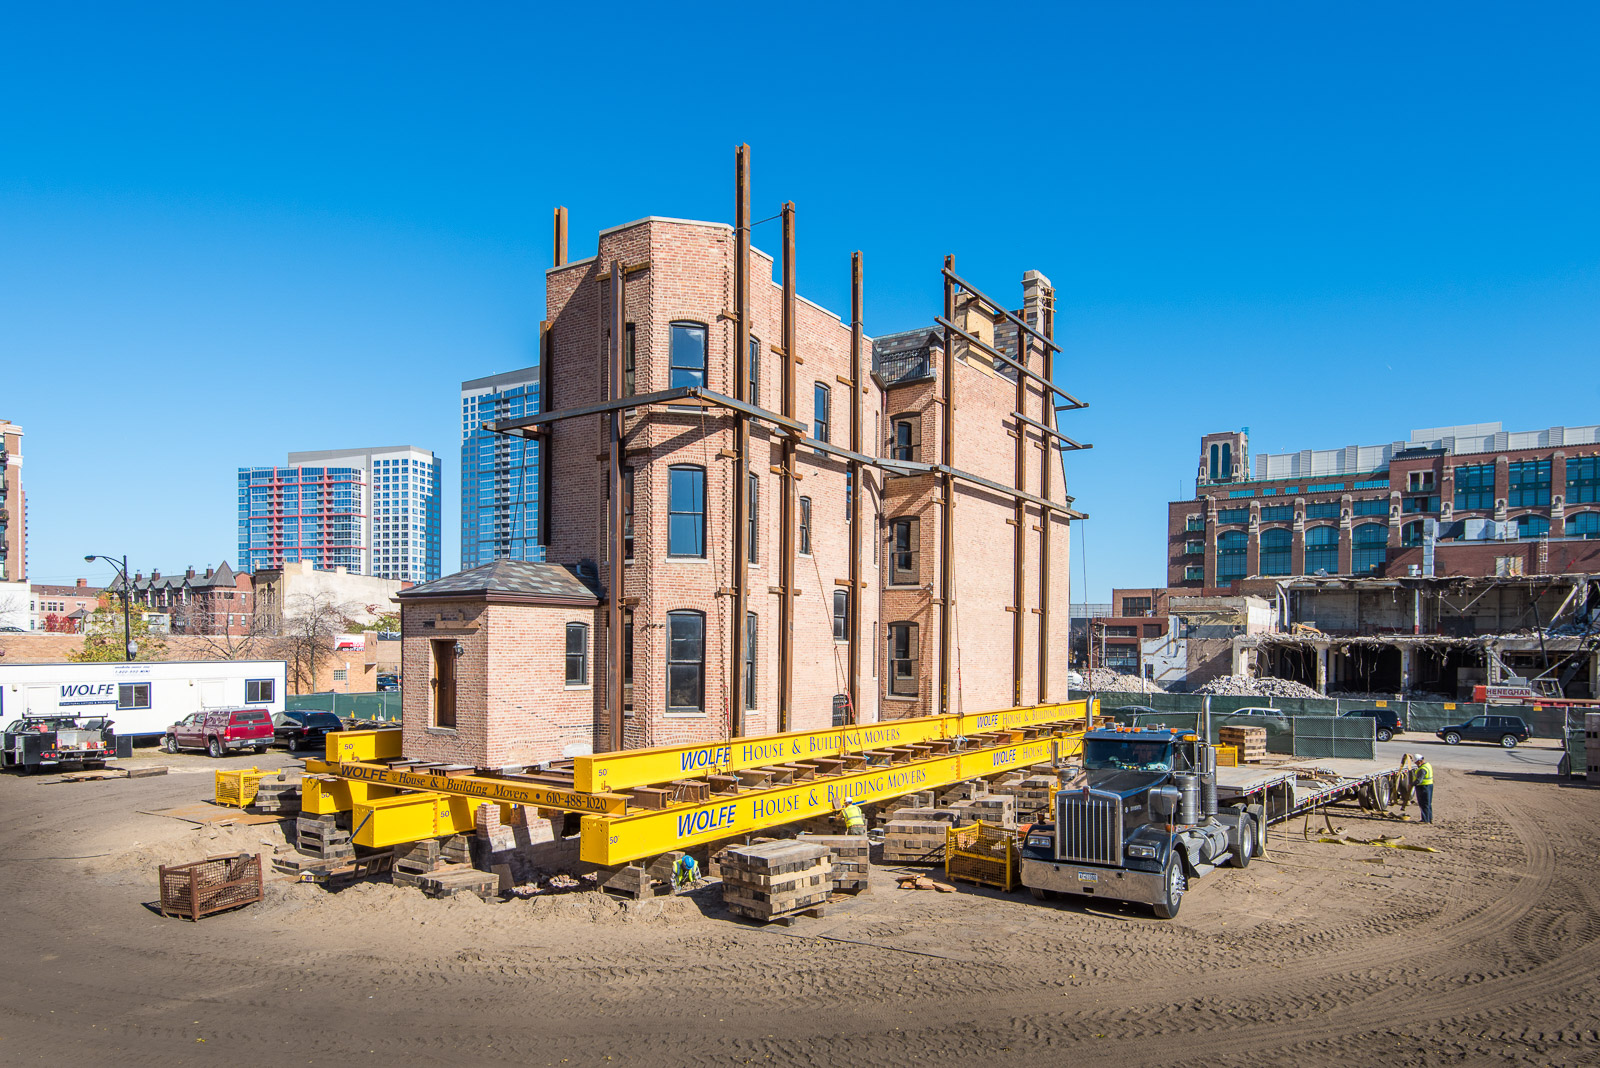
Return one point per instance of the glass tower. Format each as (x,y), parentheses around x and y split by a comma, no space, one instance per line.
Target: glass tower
(499,474)
(369,511)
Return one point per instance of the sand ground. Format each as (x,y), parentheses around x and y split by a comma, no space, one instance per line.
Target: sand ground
(1484,952)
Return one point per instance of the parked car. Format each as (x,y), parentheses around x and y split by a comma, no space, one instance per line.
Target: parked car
(388,682)
(304,728)
(1256,716)
(1386,722)
(1509,731)
(218,730)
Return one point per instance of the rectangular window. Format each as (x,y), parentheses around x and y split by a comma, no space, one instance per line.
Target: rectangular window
(805,526)
(341,674)
(1419,481)
(903,655)
(627,660)
(1583,480)
(906,547)
(1122,632)
(1371,506)
(1326,487)
(820,398)
(754,505)
(1475,487)
(688,355)
(133,695)
(1420,504)
(1278,513)
(906,437)
(750,660)
(841,615)
(443,682)
(754,396)
(1194,548)
(628,336)
(1194,573)
(1233,515)
(627,513)
(1195,524)
(577,654)
(1529,484)
(1152,630)
(686,662)
(1241,493)
(1136,606)
(258,691)
(1323,510)
(686,511)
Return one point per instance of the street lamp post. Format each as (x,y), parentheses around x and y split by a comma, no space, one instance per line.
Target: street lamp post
(128,648)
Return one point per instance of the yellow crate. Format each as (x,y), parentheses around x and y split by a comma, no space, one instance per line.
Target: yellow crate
(238,786)
(983,853)
(1227,756)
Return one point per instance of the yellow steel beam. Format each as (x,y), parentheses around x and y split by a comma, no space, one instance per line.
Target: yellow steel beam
(485,789)
(383,744)
(392,821)
(641,767)
(322,795)
(612,840)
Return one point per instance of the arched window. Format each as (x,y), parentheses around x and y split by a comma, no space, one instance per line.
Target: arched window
(1215,453)
(686,661)
(686,511)
(1584,525)
(1532,526)
(577,654)
(1232,555)
(1368,548)
(688,355)
(1412,533)
(1277,551)
(1322,550)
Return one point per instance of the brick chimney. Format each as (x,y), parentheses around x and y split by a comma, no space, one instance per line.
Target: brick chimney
(210,571)
(189,573)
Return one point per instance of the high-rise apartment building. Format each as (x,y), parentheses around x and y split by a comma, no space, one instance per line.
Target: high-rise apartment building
(369,511)
(13,512)
(499,475)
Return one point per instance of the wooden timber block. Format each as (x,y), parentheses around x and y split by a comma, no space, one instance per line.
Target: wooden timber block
(633,881)
(774,857)
(460,879)
(140,773)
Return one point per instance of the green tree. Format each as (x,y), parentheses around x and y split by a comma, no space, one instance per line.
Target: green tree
(102,635)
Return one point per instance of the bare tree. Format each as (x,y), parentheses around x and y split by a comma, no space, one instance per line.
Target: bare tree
(197,618)
(311,622)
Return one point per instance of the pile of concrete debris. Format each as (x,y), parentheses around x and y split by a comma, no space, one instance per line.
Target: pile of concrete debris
(1251,686)
(1104,680)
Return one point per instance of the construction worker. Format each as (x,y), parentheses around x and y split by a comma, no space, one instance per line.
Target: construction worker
(854,821)
(1425,787)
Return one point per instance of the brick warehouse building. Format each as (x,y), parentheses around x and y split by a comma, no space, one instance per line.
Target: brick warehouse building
(745,609)
(1468,500)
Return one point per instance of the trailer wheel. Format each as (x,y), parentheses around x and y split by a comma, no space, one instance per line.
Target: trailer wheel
(1247,845)
(1508,741)
(1176,884)
(214,747)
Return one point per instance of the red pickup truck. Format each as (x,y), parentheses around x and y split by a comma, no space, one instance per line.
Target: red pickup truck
(221,729)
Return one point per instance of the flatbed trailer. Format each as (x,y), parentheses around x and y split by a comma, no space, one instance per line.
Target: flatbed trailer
(1291,786)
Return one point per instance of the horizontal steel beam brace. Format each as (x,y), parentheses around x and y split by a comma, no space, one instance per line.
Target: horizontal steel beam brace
(989,350)
(1001,308)
(1069,443)
(676,395)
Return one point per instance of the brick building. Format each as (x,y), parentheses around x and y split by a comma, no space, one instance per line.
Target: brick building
(781,554)
(13,506)
(61,609)
(1118,636)
(219,600)
(1466,500)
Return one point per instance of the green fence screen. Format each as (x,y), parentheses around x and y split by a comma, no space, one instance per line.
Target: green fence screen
(365,707)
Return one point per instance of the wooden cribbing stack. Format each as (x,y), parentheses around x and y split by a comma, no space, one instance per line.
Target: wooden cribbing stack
(850,855)
(1250,741)
(777,881)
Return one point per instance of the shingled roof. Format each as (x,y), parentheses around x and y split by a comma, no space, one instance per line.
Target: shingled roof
(515,581)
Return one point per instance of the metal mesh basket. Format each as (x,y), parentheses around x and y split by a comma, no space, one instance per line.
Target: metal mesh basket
(211,885)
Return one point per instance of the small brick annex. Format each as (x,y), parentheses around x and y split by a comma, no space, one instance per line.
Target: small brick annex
(514,698)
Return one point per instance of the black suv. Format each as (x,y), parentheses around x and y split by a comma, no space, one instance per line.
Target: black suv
(1507,730)
(1386,722)
(303,729)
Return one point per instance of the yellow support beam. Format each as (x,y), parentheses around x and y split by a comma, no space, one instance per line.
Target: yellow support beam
(641,767)
(383,744)
(612,840)
(485,789)
(392,821)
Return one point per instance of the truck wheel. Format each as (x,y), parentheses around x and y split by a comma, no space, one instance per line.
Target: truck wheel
(170,744)
(1384,735)
(214,747)
(1247,845)
(1452,738)
(1176,884)
(1508,741)
(1041,894)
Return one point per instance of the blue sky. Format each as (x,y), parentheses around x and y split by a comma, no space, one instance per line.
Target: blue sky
(227,233)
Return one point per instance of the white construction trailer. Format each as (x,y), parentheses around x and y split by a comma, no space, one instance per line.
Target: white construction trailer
(144,698)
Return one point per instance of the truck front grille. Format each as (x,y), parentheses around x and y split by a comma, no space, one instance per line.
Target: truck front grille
(1090,826)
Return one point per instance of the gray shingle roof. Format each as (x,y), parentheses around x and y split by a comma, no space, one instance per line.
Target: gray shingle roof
(517,579)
